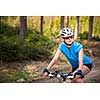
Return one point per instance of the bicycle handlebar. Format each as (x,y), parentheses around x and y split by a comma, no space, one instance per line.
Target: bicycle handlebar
(60,75)
(64,76)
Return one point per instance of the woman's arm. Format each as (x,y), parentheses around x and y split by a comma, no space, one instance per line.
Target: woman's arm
(55,59)
(80,55)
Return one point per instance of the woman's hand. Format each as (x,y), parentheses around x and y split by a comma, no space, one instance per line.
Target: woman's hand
(46,72)
(78,74)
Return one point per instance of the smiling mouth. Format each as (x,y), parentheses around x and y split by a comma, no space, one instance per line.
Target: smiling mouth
(69,41)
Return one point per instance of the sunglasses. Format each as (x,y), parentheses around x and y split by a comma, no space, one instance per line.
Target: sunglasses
(68,37)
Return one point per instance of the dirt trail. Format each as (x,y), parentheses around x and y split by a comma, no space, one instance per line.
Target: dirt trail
(92,77)
(38,66)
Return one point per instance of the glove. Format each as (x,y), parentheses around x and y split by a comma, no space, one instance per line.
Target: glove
(79,72)
(46,71)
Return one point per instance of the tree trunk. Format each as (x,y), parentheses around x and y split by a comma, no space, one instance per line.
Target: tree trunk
(67,21)
(76,28)
(41,25)
(23,27)
(90,27)
(62,22)
(0,22)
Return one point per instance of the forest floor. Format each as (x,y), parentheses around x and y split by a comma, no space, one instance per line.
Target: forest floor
(92,77)
(7,72)
(31,71)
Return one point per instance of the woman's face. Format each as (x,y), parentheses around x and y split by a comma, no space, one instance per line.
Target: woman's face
(69,40)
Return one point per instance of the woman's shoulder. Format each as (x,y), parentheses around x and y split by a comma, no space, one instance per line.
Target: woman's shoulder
(62,44)
(77,43)
(77,46)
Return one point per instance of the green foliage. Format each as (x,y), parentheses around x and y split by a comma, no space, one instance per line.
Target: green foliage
(6,78)
(6,29)
(8,75)
(11,75)
(52,26)
(38,46)
(83,35)
(9,50)
(23,75)
(96,38)
(35,47)
(96,27)
(72,21)
(84,24)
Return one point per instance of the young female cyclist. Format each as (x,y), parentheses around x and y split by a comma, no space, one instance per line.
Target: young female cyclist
(73,51)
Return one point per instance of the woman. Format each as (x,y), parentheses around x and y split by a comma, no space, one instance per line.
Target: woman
(73,51)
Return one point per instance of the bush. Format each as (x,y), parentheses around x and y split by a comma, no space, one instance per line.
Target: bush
(83,35)
(8,50)
(36,47)
(96,38)
(6,29)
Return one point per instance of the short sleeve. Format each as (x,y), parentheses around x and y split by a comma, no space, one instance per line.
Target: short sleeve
(61,46)
(78,47)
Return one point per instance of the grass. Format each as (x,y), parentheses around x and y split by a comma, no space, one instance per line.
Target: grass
(10,74)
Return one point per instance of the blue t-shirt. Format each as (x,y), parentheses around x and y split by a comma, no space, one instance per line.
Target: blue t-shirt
(72,54)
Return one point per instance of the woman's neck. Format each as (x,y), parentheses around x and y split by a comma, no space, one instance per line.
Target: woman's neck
(68,45)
